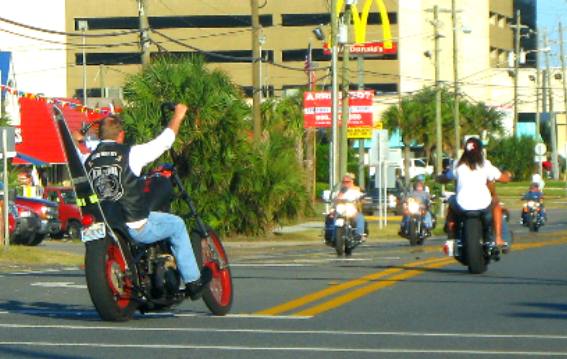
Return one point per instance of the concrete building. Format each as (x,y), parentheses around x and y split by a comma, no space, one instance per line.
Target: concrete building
(223,28)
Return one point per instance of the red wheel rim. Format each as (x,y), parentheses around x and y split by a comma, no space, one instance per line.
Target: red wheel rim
(118,282)
(221,284)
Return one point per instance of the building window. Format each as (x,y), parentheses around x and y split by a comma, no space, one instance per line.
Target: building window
(325,18)
(133,58)
(169,22)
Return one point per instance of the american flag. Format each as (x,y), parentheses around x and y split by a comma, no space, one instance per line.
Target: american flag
(308,68)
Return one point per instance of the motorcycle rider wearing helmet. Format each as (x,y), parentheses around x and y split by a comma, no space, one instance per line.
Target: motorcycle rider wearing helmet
(114,169)
(533,194)
(421,195)
(348,190)
(475,178)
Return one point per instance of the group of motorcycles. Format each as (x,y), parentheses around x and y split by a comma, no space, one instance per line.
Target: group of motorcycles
(474,245)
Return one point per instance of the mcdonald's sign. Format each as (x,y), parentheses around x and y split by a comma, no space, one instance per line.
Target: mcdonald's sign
(360,24)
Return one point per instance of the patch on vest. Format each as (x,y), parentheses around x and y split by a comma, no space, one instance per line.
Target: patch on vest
(107,182)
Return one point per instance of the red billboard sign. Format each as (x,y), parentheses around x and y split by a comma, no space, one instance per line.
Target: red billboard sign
(317,109)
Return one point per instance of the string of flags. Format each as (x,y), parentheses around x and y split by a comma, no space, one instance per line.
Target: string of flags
(56,101)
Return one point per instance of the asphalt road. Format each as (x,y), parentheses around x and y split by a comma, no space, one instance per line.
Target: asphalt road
(387,301)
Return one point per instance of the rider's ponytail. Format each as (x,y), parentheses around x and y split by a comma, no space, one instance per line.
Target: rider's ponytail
(472,155)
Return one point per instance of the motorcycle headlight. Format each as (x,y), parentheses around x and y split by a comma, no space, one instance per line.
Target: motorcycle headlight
(26,214)
(531,204)
(413,206)
(346,209)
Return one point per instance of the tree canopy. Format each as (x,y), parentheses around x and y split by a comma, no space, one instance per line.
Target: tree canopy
(239,186)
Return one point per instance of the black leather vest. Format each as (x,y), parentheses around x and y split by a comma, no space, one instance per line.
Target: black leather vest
(109,171)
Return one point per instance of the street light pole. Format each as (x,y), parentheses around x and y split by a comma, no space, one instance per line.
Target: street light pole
(554,162)
(334,96)
(84,26)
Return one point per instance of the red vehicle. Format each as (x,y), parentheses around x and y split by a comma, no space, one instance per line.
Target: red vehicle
(48,214)
(69,213)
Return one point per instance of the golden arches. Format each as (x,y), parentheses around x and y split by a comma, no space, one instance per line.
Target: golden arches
(360,21)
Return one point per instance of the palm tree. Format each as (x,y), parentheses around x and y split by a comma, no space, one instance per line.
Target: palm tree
(238,185)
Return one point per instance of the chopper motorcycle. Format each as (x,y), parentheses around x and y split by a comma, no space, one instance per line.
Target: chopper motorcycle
(124,276)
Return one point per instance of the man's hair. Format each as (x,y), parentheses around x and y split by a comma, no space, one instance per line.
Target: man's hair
(351,175)
(110,127)
(472,156)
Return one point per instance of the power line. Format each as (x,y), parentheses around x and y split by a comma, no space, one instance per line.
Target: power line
(120,33)
(68,43)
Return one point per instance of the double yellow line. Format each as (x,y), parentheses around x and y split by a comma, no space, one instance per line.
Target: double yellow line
(364,286)
(338,295)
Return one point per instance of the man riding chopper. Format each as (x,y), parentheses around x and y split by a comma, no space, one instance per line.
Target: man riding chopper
(114,169)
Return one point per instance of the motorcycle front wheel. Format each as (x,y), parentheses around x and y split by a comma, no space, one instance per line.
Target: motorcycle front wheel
(413,234)
(210,252)
(534,225)
(340,234)
(108,281)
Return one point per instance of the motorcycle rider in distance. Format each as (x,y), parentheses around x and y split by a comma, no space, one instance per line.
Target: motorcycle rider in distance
(423,197)
(475,178)
(114,169)
(349,191)
(533,194)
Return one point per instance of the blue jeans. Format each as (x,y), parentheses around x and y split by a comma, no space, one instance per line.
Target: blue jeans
(359,220)
(427,220)
(165,225)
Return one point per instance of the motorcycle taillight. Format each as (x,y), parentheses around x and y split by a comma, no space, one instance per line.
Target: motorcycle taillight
(87,220)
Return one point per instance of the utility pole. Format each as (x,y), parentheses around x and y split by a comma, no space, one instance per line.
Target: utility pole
(538,101)
(554,162)
(438,128)
(256,91)
(343,156)
(334,96)
(310,138)
(456,110)
(517,36)
(144,26)
(361,149)
(562,57)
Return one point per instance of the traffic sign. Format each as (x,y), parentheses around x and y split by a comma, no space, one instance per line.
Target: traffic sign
(359,132)
(540,149)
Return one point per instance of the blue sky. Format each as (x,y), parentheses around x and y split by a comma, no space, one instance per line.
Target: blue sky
(549,13)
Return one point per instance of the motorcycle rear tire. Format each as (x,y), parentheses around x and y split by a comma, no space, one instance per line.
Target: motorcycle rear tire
(340,234)
(103,263)
(218,297)
(472,246)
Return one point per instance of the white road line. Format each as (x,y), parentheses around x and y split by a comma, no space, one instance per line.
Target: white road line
(252,265)
(290,349)
(291,332)
(59,285)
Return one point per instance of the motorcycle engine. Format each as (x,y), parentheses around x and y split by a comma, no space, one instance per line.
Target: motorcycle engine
(165,277)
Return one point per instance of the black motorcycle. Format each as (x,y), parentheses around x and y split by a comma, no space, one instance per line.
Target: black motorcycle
(414,228)
(532,215)
(123,276)
(475,246)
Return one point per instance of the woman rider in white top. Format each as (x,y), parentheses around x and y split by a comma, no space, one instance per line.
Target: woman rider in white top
(475,178)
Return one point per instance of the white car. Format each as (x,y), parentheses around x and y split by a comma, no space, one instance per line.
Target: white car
(418,166)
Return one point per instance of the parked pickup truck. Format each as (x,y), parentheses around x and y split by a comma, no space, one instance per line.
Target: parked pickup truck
(69,213)
(48,214)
